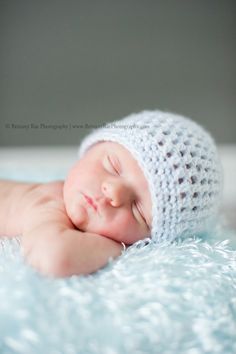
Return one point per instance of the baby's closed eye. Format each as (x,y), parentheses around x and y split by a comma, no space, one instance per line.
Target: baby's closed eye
(138,213)
(112,164)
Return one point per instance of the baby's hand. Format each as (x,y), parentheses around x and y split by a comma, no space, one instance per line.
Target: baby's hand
(57,251)
(44,249)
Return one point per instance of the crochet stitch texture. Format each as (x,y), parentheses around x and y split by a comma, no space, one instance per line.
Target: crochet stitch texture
(180,162)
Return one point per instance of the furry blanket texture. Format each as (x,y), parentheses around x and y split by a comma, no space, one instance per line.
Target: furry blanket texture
(175,298)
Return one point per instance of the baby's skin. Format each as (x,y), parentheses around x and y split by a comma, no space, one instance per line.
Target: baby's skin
(75,226)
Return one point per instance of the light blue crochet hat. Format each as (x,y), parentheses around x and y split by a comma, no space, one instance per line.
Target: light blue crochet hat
(180,162)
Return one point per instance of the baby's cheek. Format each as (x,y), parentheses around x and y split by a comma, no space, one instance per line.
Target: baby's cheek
(79,217)
(76,212)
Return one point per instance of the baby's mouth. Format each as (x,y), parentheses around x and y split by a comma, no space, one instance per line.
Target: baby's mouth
(90,202)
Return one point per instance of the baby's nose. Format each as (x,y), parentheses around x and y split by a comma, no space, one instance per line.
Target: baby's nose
(116,192)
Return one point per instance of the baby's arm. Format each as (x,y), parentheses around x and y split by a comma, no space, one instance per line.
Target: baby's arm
(50,243)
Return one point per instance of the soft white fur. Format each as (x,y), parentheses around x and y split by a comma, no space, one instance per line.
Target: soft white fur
(175,298)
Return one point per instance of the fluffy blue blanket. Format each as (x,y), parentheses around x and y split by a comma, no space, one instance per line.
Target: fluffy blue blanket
(178,298)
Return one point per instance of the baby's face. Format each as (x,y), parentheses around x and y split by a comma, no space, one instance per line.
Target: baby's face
(106,193)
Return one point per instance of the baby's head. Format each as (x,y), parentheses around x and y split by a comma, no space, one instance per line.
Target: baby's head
(106,193)
(151,174)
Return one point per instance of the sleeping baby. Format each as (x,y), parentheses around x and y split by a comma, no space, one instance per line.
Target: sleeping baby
(152,175)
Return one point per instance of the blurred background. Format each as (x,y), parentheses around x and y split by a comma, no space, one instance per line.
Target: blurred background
(70,62)
(69,65)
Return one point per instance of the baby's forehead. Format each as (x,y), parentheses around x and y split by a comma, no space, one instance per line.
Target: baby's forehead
(118,153)
(111,146)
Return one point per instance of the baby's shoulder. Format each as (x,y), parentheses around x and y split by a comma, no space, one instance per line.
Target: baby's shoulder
(54,188)
(46,204)
(47,193)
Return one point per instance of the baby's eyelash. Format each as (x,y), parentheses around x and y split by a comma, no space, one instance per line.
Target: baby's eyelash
(140,213)
(112,164)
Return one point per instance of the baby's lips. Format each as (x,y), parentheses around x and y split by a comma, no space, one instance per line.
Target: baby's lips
(91,202)
(98,204)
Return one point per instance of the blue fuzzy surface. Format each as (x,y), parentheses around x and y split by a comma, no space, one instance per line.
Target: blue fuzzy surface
(175,298)
(178,298)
